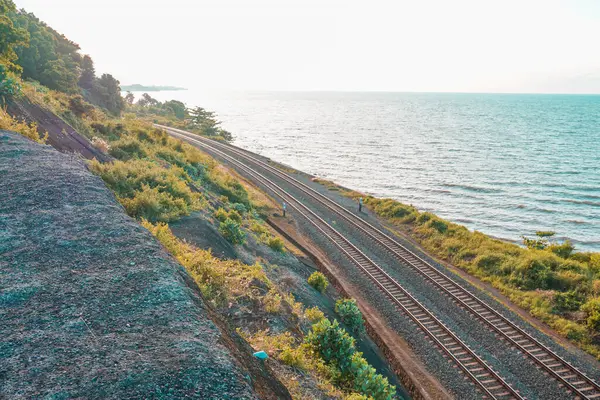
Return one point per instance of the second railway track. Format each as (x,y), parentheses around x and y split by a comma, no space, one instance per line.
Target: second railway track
(575,381)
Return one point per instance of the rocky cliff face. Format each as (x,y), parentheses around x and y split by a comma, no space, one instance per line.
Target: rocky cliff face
(91,305)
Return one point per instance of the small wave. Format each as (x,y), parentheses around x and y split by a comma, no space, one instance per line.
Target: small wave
(470,188)
(463,220)
(586,202)
(576,221)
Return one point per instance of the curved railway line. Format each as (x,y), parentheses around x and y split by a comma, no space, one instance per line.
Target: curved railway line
(574,381)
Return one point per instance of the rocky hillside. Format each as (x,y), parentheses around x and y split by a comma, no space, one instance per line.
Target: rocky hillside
(90,303)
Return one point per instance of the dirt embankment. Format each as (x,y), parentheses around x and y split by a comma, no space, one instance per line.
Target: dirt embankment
(92,306)
(61,135)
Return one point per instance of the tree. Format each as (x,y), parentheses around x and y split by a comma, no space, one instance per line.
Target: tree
(49,57)
(88,73)
(177,107)
(8,85)
(60,75)
(147,100)
(206,122)
(107,91)
(10,36)
(129,98)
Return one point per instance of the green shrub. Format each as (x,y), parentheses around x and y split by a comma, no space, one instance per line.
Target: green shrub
(424,217)
(294,357)
(318,281)
(314,314)
(9,86)
(592,311)
(563,250)
(154,205)
(350,315)
(272,301)
(221,214)
(232,232)
(148,190)
(235,216)
(535,272)
(232,189)
(258,228)
(127,148)
(389,208)
(276,244)
(332,343)
(356,396)
(240,208)
(337,348)
(366,380)
(438,225)
(568,301)
(490,263)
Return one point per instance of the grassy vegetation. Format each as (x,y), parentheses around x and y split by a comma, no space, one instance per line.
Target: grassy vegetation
(550,280)
(227,283)
(329,355)
(8,123)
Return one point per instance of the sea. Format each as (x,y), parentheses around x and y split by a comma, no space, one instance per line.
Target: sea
(504,164)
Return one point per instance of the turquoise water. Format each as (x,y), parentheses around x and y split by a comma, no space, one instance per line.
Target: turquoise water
(503,164)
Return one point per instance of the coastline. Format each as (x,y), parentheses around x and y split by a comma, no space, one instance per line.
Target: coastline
(565,332)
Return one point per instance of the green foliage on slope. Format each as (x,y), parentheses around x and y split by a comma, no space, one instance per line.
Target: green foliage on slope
(549,279)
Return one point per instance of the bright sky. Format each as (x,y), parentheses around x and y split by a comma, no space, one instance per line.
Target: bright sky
(395,45)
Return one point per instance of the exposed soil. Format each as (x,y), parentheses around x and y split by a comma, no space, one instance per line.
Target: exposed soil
(61,135)
(91,304)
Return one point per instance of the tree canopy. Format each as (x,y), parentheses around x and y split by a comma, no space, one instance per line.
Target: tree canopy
(37,52)
(11,36)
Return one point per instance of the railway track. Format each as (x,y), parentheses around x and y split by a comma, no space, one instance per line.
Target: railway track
(476,369)
(574,380)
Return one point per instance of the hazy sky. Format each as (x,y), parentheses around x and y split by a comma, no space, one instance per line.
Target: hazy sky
(396,45)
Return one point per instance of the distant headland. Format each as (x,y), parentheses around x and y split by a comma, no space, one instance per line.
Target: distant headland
(136,87)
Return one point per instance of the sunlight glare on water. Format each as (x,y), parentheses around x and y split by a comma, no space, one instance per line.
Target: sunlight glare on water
(503,164)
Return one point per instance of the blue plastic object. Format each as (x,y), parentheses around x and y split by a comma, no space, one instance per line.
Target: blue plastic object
(261,355)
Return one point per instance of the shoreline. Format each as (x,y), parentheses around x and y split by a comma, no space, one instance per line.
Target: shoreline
(519,242)
(508,300)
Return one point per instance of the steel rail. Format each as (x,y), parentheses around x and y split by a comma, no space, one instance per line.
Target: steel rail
(560,369)
(488,380)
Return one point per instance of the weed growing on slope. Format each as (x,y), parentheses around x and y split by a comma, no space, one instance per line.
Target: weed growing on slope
(8,123)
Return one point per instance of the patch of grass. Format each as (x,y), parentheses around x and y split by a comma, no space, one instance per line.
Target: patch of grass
(272,301)
(148,190)
(221,281)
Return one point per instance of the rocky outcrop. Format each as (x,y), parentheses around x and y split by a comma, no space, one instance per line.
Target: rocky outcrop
(90,303)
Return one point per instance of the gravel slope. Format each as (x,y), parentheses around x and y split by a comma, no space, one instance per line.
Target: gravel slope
(91,305)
